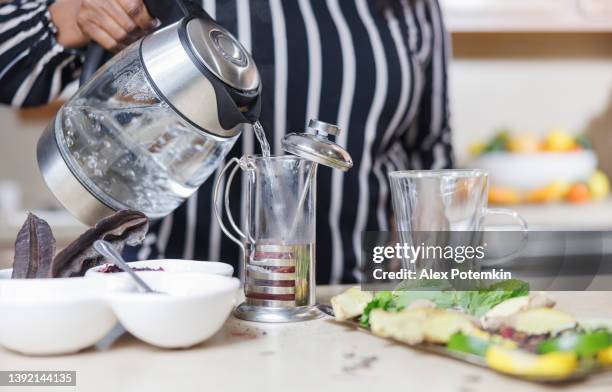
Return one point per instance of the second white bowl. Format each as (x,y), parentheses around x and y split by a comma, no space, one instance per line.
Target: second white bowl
(193,309)
(174,265)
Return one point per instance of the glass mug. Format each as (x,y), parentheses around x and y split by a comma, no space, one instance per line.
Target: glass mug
(431,205)
(278,240)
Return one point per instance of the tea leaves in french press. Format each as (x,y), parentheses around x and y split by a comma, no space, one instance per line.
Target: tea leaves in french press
(155,121)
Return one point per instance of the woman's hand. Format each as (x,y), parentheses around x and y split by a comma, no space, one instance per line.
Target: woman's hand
(113,24)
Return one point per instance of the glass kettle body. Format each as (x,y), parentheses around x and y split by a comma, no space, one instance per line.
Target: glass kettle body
(152,124)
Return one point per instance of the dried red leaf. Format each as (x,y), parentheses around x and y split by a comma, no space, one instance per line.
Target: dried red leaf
(124,227)
(34,249)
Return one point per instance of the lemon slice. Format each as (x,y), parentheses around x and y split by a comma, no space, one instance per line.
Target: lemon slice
(519,363)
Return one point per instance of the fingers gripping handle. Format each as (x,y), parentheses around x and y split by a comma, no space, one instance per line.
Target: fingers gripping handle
(167,11)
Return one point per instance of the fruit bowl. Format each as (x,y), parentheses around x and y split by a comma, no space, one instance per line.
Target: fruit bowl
(529,171)
(526,168)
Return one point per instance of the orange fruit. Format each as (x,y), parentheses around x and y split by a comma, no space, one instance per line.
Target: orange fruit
(536,196)
(503,195)
(578,193)
(554,191)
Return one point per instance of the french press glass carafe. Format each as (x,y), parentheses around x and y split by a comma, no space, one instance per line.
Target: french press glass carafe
(278,237)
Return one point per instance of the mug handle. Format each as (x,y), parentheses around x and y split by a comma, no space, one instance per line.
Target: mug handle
(216,195)
(522,224)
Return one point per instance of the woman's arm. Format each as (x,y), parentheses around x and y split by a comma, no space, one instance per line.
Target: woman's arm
(111,23)
(34,67)
(40,42)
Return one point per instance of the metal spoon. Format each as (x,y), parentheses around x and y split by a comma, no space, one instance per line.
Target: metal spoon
(327,309)
(107,250)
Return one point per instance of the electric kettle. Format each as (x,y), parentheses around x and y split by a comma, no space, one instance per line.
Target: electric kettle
(152,124)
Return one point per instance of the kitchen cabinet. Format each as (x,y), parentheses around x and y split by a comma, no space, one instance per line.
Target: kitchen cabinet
(528,15)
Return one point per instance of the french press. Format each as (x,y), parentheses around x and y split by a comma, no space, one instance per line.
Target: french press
(278,237)
(155,121)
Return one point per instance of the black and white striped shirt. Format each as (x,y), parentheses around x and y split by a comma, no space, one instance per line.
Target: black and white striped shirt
(377,68)
(34,68)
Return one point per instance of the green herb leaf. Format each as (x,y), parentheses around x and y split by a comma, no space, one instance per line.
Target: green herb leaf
(583,344)
(499,142)
(382,300)
(468,344)
(517,287)
(442,299)
(584,142)
(476,303)
(479,302)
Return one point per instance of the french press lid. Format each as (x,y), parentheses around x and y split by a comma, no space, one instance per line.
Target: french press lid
(314,145)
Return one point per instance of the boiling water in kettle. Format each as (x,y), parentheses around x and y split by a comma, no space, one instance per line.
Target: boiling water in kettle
(140,155)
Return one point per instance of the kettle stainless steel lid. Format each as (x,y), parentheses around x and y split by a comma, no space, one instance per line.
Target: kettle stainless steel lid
(223,55)
(315,145)
(202,71)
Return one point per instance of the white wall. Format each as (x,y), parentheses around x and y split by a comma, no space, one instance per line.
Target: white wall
(530,82)
(19,131)
(527,96)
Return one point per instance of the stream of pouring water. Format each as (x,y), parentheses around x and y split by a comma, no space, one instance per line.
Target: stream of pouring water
(261,138)
(275,192)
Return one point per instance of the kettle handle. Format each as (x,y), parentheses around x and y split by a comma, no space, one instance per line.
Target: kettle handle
(167,11)
(95,56)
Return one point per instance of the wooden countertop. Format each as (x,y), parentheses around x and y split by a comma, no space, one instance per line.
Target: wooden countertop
(310,356)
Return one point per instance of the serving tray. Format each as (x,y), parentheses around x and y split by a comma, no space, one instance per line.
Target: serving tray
(585,368)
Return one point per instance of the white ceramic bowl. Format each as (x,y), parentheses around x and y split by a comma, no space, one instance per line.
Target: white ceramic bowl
(56,316)
(526,171)
(194,308)
(175,265)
